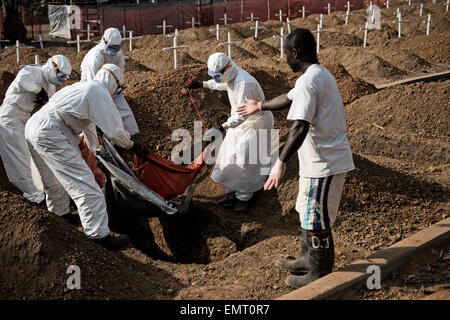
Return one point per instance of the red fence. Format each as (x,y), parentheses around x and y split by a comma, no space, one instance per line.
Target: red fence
(145,18)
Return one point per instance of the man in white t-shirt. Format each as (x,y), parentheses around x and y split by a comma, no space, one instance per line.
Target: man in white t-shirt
(318,134)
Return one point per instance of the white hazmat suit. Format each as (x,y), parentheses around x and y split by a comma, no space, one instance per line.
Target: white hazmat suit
(95,59)
(53,137)
(15,112)
(239,166)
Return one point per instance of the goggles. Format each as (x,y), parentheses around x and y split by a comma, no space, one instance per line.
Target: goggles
(217,75)
(119,88)
(112,49)
(60,76)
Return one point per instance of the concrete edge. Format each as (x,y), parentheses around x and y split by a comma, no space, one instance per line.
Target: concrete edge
(388,259)
(425,78)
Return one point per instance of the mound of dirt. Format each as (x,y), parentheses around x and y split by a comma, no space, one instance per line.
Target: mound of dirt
(361,63)
(388,124)
(350,88)
(259,48)
(34,264)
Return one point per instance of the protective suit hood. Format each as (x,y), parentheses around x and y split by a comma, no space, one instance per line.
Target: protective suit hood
(110,76)
(111,38)
(217,62)
(58,61)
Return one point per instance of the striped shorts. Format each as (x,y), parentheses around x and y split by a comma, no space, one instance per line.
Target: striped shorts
(318,201)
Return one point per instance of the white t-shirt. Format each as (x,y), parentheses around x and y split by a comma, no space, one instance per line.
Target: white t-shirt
(316,99)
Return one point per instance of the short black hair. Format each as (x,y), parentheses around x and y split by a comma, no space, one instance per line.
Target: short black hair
(303,40)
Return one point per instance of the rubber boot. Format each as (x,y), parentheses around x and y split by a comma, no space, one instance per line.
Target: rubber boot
(113,242)
(320,257)
(227,201)
(300,265)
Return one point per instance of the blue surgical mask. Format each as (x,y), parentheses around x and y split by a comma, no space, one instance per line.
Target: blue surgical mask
(60,78)
(112,49)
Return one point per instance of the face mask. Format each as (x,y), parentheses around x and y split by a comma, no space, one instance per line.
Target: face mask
(112,49)
(60,78)
(216,76)
(118,91)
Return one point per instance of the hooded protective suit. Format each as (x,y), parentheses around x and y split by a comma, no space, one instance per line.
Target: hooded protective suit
(15,112)
(95,59)
(239,166)
(53,136)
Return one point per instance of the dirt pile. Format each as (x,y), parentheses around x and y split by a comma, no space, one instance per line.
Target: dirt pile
(34,263)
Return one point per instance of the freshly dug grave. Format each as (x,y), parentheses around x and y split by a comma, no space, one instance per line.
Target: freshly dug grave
(400,185)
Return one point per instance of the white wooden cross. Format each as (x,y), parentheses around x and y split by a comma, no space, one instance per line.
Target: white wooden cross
(366,29)
(225,19)
(447,5)
(36,61)
(176,34)
(124,31)
(398,13)
(428,22)
(387,4)
(288,23)
(217,30)
(192,22)
(175,48)
(346,15)
(409,2)
(229,44)
(319,31)
(89,32)
(421,10)
(328,7)
(252,17)
(18,47)
(164,26)
(348,6)
(303,11)
(78,42)
(41,41)
(131,38)
(281,37)
(256,28)
(321,19)
(400,21)
(280,14)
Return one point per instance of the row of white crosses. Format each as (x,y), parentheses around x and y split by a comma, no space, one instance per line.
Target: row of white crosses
(175,47)
(400,21)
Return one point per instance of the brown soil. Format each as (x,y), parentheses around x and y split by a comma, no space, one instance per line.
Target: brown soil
(399,137)
(425,276)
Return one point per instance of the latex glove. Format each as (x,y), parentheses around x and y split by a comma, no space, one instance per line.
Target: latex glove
(41,98)
(193,83)
(140,150)
(275,175)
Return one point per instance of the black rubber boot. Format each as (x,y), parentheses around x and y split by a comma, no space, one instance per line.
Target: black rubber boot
(241,206)
(72,218)
(227,201)
(300,265)
(320,257)
(113,242)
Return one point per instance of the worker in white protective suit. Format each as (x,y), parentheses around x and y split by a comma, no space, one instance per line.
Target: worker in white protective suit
(53,136)
(32,87)
(109,50)
(240,166)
